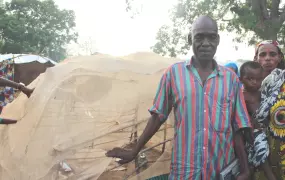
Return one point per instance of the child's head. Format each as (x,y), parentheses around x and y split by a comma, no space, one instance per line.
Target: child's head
(251,75)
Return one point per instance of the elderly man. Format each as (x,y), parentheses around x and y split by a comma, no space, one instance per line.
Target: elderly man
(209,111)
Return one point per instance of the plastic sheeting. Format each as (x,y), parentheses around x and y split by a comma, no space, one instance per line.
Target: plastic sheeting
(78,111)
(25,58)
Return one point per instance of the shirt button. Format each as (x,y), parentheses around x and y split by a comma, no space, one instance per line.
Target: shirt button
(204,110)
(204,148)
(205,93)
(204,129)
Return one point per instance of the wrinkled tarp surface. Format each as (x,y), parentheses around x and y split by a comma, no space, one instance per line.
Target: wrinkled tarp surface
(80,109)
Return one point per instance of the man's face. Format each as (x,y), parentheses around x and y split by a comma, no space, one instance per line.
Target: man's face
(205,41)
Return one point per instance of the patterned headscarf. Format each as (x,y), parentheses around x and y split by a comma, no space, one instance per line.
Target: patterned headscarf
(275,43)
(7,72)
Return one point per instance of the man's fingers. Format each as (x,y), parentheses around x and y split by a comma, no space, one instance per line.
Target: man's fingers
(114,153)
(123,161)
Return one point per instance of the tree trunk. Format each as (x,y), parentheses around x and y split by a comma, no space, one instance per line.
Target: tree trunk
(270,33)
(272,37)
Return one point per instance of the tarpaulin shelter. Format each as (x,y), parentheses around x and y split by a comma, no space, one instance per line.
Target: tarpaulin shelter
(78,111)
(26,67)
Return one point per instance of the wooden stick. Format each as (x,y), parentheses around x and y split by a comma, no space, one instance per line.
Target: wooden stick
(164,138)
(136,141)
(127,176)
(149,148)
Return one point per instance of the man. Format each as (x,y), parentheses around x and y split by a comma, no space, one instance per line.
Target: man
(208,105)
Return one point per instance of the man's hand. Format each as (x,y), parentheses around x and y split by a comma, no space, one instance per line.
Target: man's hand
(125,155)
(26,90)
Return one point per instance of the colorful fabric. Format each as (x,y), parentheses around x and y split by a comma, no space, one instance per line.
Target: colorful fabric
(277,125)
(259,152)
(6,93)
(272,108)
(204,118)
(161,177)
(270,103)
(233,66)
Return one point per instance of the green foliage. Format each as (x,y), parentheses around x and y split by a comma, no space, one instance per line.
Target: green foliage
(34,26)
(250,20)
(173,40)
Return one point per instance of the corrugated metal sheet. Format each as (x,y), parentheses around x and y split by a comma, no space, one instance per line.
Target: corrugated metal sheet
(25,58)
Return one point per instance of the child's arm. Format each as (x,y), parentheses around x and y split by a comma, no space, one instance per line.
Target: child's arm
(7,121)
(248,135)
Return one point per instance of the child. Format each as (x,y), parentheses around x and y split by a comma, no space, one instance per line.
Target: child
(251,75)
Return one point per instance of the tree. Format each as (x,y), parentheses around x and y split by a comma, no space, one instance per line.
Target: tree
(34,26)
(88,46)
(251,20)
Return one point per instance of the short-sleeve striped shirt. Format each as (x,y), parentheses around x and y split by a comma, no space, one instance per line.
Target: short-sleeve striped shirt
(205,116)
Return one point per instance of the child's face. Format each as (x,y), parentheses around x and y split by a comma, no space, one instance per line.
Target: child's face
(252,79)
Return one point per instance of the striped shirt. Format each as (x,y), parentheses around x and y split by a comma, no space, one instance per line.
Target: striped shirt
(205,116)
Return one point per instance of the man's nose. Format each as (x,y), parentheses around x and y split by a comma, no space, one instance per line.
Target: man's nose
(206,42)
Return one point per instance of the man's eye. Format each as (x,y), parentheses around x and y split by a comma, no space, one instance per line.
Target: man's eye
(198,37)
(213,37)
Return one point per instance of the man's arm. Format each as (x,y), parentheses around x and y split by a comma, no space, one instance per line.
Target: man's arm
(126,156)
(241,121)
(240,151)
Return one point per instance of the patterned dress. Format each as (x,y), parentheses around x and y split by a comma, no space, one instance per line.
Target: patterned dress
(7,72)
(272,113)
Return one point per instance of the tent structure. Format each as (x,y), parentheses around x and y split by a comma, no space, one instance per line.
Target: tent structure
(80,109)
(27,67)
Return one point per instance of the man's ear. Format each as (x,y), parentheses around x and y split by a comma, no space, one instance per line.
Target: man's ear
(218,39)
(190,39)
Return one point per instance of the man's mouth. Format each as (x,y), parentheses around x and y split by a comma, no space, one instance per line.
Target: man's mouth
(205,52)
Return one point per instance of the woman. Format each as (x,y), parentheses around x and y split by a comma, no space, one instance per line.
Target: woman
(272,108)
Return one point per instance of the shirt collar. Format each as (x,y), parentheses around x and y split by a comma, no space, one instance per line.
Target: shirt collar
(189,63)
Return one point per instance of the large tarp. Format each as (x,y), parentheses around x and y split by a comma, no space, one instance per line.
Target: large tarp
(80,109)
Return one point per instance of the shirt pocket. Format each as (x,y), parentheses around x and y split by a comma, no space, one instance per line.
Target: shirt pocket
(220,113)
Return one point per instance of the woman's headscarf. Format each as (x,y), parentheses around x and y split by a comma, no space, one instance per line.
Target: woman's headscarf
(275,43)
(233,66)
